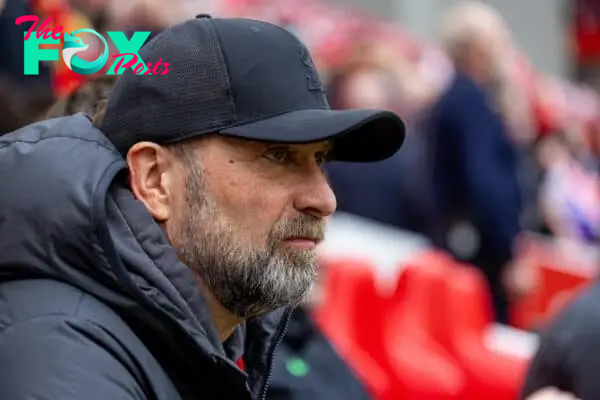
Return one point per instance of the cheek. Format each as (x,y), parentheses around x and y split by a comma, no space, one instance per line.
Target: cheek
(251,206)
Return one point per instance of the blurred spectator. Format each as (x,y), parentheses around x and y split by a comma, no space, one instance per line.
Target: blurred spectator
(13,53)
(474,175)
(380,191)
(95,10)
(308,367)
(21,106)
(23,98)
(141,15)
(86,98)
(570,194)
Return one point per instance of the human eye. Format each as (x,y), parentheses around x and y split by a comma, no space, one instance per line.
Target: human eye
(277,154)
(322,157)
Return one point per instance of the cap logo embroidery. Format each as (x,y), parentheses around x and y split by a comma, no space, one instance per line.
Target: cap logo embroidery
(312,78)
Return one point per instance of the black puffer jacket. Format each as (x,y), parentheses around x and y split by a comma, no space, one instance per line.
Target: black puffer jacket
(94,303)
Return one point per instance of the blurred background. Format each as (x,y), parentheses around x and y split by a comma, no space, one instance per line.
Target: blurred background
(444,261)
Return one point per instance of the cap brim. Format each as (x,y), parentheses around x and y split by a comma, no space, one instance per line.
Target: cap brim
(357,135)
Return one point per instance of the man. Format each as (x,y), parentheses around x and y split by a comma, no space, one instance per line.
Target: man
(308,366)
(305,360)
(474,175)
(141,260)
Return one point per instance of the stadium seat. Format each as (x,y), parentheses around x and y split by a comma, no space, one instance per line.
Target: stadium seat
(398,336)
(335,318)
(489,374)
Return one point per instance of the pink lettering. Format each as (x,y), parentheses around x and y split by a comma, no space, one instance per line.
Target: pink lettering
(43,30)
(28,18)
(157,66)
(138,69)
(55,33)
(130,63)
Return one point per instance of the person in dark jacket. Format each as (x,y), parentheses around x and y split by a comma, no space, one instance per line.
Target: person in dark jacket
(385,191)
(474,170)
(568,354)
(307,366)
(141,258)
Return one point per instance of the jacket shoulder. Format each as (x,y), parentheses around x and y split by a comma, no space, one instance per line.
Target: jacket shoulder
(78,126)
(50,330)
(25,300)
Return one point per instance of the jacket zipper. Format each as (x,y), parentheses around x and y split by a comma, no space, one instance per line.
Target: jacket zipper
(265,388)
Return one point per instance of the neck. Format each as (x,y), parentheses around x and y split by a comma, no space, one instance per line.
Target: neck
(476,74)
(224,321)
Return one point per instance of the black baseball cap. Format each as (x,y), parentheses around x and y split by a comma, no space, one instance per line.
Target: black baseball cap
(242,78)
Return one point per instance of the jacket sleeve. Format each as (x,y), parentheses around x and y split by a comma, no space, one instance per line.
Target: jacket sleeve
(53,358)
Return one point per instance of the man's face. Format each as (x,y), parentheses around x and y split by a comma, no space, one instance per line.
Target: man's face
(365,89)
(247,217)
(492,51)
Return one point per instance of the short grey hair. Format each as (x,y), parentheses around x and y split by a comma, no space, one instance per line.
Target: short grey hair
(467,20)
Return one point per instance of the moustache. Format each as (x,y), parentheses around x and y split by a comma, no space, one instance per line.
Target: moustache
(304,226)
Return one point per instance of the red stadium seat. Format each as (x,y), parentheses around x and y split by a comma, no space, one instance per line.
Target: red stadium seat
(335,317)
(341,279)
(395,332)
(490,375)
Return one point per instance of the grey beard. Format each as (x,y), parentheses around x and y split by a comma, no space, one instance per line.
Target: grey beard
(246,281)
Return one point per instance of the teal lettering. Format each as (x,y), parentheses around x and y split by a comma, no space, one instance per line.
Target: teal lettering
(33,53)
(131,46)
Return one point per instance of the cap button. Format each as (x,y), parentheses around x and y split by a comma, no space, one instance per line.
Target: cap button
(203,16)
